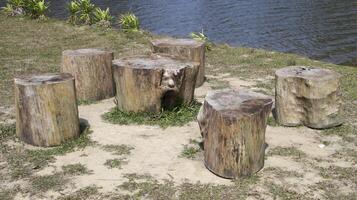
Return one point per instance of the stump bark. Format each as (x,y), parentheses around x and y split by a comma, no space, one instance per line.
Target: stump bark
(92,70)
(233,124)
(191,50)
(308,96)
(46,109)
(150,83)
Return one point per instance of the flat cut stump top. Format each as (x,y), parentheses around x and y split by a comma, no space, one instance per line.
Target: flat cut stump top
(308,73)
(49,78)
(237,103)
(153,62)
(83,52)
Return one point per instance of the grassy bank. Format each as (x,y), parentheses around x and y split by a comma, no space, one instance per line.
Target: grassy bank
(28,46)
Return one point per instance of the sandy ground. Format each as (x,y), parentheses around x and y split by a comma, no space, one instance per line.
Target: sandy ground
(157,152)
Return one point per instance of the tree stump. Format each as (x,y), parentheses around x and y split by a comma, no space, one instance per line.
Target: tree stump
(46,109)
(92,70)
(308,96)
(233,124)
(150,83)
(189,49)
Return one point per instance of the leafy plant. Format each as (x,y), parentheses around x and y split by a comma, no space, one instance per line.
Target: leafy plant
(73,8)
(200,36)
(14,7)
(129,22)
(36,8)
(84,12)
(102,15)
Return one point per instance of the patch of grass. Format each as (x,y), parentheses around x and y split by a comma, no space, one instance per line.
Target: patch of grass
(339,173)
(239,190)
(267,86)
(346,132)
(118,149)
(286,151)
(218,84)
(23,162)
(346,154)
(191,150)
(8,194)
(179,116)
(331,190)
(115,163)
(281,173)
(21,53)
(284,192)
(90,192)
(48,182)
(75,169)
(146,187)
(272,122)
(7,132)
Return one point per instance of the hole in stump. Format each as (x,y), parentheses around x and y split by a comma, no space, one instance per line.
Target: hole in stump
(169,100)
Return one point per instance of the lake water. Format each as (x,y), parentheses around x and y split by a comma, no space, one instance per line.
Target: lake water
(320,29)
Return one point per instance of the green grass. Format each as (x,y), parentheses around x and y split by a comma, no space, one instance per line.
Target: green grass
(118,149)
(75,169)
(217,84)
(29,46)
(272,122)
(89,192)
(191,150)
(339,173)
(287,152)
(179,116)
(284,192)
(48,182)
(346,131)
(347,154)
(330,190)
(147,187)
(7,132)
(23,162)
(265,87)
(8,194)
(115,163)
(281,173)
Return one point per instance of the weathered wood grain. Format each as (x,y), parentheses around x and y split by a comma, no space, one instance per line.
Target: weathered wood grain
(308,96)
(92,69)
(189,49)
(233,124)
(46,109)
(150,83)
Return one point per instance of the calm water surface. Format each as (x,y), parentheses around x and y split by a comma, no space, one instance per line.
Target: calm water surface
(320,29)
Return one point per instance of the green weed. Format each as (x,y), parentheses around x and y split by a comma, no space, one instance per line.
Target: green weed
(75,169)
(129,22)
(179,116)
